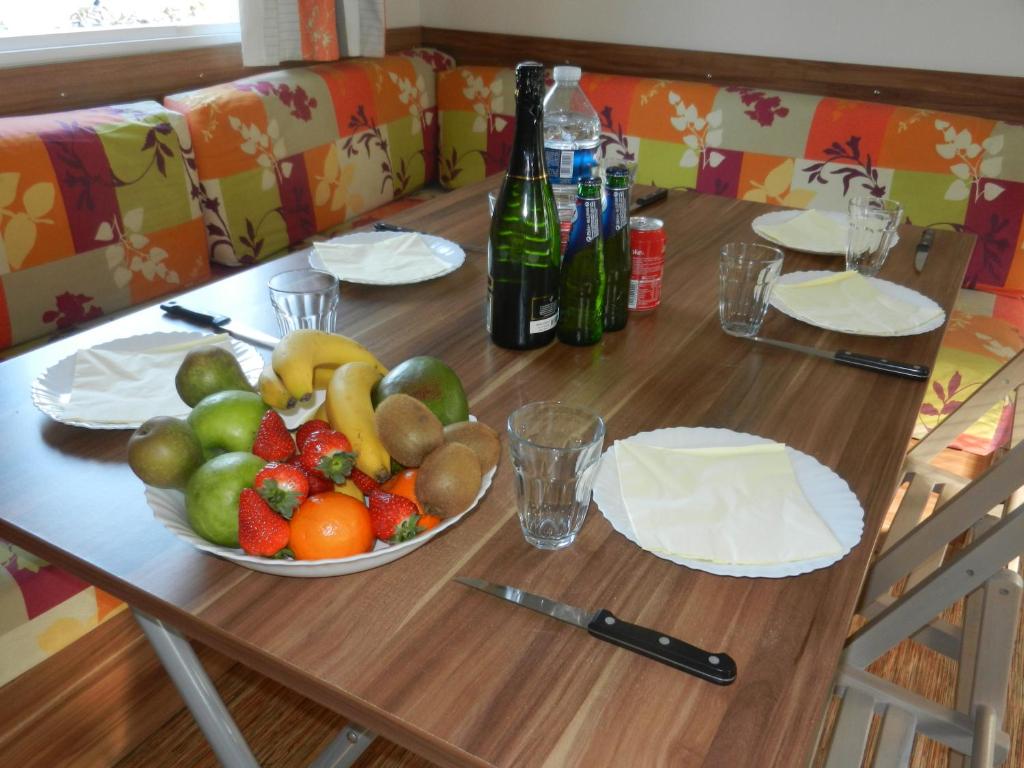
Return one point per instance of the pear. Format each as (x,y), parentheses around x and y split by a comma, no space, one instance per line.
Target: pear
(164,452)
(207,370)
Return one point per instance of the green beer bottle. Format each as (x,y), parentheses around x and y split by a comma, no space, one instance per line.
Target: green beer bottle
(525,243)
(618,260)
(582,287)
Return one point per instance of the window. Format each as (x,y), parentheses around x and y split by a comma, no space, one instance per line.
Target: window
(46,31)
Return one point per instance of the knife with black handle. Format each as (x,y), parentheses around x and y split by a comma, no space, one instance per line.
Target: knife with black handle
(855,359)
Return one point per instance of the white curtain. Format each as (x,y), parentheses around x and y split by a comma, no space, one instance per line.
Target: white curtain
(310,30)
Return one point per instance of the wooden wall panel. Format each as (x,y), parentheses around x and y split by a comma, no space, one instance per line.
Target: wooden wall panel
(993,96)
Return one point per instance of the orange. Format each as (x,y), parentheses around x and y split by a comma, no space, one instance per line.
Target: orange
(330,525)
(404,484)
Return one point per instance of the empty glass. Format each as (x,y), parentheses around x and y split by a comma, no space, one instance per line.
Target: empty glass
(305,298)
(555,449)
(747,272)
(873,224)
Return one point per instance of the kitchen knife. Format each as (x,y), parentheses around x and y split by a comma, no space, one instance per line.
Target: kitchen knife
(219,323)
(717,668)
(856,360)
(383,226)
(921,254)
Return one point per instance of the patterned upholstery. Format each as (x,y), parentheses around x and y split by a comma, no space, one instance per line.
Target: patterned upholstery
(284,155)
(789,149)
(96,214)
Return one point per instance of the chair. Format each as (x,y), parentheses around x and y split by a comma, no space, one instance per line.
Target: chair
(989,514)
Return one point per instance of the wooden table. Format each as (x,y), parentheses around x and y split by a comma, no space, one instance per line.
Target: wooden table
(458,676)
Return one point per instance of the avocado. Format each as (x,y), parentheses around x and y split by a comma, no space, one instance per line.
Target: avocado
(431,382)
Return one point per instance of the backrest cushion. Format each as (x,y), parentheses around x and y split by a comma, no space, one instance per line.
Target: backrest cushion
(97,213)
(790,149)
(286,154)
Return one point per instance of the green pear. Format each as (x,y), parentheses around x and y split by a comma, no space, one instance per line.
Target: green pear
(207,370)
(227,421)
(164,452)
(211,496)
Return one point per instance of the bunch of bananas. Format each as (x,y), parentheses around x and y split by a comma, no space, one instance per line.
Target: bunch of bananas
(306,360)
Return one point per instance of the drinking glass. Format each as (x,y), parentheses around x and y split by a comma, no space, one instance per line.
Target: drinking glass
(873,223)
(746,274)
(555,449)
(305,298)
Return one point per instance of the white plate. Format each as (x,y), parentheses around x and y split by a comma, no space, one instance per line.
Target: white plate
(826,492)
(883,286)
(169,508)
(446,250)
(776,218)
(51,391)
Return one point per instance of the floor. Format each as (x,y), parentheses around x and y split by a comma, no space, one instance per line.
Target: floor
(284,730)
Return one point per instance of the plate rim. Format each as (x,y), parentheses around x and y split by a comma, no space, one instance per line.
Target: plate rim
(443,248)
(803,464)
(894,290)
(45,397)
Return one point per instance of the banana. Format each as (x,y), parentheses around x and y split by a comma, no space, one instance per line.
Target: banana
(321,412)
(350,411)
(299,353)
(272,390)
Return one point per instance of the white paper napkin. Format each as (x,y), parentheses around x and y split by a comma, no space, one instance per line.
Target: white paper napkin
(850,301)
(726,505)
(809,229)
(115,387)
(400,257)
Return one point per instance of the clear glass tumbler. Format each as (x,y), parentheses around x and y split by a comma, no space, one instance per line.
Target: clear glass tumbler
(305,298)
(872,233)
(747,272)
(555,449)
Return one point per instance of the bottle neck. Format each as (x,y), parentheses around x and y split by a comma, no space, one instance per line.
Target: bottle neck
(527,161)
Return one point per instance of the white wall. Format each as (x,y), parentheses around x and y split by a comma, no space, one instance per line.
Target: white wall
(982,36)
(402,13)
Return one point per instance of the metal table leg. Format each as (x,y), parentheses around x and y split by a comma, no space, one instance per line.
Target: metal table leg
(198,691)
(213,718)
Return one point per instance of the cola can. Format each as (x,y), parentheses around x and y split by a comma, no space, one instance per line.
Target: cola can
(647,245)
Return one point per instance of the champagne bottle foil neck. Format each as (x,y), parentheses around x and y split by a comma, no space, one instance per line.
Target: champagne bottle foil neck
(529,84)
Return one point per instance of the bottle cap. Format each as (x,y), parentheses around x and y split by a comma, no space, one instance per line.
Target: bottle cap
(567,74)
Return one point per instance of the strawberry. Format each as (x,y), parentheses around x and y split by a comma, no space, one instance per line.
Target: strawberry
(282,486)
(317,482)
(394,518)
(363,481)
(330,454)
(261,531)
(310,428)
(273,440)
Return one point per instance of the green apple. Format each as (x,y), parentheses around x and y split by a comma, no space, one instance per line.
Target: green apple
(227,421)
(164,452)
(211,496)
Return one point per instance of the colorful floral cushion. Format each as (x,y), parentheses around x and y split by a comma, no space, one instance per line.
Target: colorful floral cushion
(96,214)
(796,150)
(284,155)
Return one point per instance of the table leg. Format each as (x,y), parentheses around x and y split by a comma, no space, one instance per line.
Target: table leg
(345,749)
(198,691)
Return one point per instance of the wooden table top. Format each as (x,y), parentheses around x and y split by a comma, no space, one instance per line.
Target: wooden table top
(461,677)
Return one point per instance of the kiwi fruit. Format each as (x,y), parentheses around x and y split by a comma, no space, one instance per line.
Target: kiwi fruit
(407,429)
(480,438)
(448,480)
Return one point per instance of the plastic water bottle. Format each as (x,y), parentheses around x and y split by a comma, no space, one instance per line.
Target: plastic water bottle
(572,133)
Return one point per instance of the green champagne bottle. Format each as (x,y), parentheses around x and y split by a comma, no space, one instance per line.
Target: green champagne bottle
(525,243)
(582,286)
(618,260)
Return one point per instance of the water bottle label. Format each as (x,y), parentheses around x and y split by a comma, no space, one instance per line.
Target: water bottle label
(568,166)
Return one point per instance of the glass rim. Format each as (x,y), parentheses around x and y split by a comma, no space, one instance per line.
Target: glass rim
(309,271)
(578,409)
(881,203)
(752,251)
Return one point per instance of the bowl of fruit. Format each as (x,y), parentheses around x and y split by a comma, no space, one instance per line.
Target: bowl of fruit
(388,461)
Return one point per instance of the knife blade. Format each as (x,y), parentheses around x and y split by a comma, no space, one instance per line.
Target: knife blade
(921,254)
(217,322)
(718,668)
(855,359)
(383,226)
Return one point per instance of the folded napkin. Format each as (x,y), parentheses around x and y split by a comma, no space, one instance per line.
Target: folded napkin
(725,505)
(811,230)
(119,387)
(397,258)
(850,301)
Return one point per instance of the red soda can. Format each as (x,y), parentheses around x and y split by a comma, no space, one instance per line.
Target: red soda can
(647,245)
